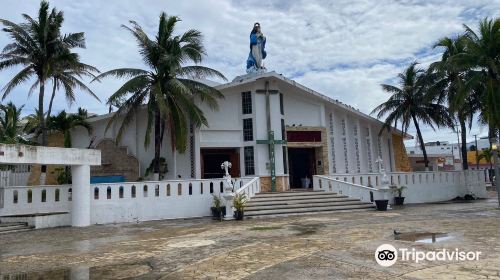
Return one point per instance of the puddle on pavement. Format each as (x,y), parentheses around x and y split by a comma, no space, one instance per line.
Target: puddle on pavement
(423,237)
(265,228)
(118,271)
(191,243)
(306,229)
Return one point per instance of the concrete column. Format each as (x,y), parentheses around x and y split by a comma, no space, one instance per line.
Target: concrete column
(80,207)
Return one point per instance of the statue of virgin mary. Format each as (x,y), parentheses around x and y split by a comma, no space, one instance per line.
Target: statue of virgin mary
(257,50)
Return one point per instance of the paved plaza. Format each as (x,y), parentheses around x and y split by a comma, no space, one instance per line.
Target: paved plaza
(328,246)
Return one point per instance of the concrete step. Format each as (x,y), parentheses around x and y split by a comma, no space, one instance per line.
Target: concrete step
(302,205)
(289,198)
(257,202)
(292,194)
(292,211)
(308,213)
(14,227)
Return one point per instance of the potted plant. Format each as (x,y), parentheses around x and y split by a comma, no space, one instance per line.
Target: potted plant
(381,204)
(398,190)
(239,202)
(218,211)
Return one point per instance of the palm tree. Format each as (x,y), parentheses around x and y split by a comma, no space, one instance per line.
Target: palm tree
(10,124)
(64,123)
(168,89)
(411,102)
(453,86)
(38,46)
(486,154)
(482,54)
(67,74)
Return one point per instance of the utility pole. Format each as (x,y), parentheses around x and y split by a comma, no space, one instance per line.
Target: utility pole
(477,153)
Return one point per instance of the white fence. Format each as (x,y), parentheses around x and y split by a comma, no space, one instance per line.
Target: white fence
(421,186)
(125,202)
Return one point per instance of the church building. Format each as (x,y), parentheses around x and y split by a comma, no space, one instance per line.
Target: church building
(267,126)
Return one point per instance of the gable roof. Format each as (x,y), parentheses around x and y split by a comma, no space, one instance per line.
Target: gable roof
(245,79)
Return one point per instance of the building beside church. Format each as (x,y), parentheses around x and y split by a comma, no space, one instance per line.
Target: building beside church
(323,136)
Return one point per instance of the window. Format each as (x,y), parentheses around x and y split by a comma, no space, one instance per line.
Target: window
(247,130)
(246,102)
(282,108)
(249,161)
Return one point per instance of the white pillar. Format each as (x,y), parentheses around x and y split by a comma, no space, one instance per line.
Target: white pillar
(80,207)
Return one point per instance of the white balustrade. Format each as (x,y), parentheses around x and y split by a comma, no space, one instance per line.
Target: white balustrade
(125,202)
(421,186)
(251,188)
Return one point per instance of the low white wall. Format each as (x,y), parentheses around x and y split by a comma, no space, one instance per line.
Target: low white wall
(115,203)
(421,187)
(44,199)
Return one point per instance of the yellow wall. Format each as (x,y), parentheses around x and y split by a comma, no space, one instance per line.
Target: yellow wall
(400,156)
(56,139)
(471,158)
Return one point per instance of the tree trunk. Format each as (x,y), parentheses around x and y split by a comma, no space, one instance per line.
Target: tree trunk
(41,117)
(465,164)
(49,110)
(157,143)
(422,145)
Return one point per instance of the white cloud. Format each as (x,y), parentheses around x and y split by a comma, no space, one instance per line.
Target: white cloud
(343,49)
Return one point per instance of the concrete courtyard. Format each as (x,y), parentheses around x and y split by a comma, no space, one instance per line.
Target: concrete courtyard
(327,246)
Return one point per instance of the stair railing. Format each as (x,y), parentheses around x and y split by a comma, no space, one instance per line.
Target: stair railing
(250,188)
(328,184)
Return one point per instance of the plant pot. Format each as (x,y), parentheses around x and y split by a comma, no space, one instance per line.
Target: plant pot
(238,215)
(399,200)
(218,213)
(382,204)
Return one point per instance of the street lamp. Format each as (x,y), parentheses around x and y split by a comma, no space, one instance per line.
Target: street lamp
(494,148)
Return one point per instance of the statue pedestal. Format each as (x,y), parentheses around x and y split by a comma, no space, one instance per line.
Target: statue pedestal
(229,206)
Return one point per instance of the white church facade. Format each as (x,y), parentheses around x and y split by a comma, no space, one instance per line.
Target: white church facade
(322,136)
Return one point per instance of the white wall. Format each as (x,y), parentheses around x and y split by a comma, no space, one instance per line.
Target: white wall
(421,187)
(113,209)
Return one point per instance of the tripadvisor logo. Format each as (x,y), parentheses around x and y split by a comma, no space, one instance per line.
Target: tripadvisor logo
(386,255)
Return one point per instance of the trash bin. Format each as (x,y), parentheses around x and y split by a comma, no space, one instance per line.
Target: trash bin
(305,182)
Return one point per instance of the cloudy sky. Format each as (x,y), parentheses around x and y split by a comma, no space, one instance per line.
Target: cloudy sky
(344,49)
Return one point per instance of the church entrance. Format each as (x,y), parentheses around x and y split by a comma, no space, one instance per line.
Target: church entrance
(211,159)
(302,166)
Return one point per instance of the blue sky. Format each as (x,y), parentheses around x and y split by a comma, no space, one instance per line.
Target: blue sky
(343,49)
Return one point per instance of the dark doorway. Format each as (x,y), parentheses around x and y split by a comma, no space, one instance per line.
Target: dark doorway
(211,160)
(302,165)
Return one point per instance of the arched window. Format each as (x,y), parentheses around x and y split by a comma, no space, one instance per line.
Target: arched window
(179,189)
(168,189)
(145,191)
(70,194)
(108,192)
(157,190)
(120,192)
(30,196)
(211,187)
(44,195)
(132,191)
(190,189)
(56,195)
(16,197)
(96,193)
